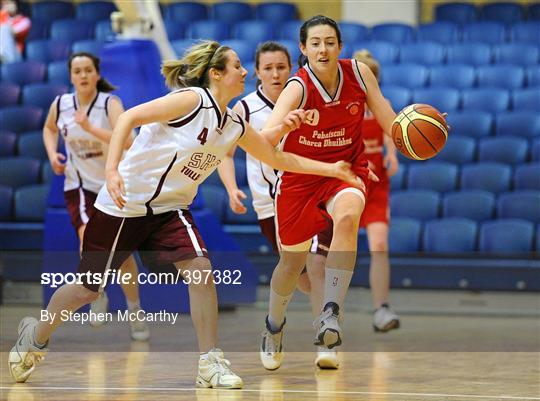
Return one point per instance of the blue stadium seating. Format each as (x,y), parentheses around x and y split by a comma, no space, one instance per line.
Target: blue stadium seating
(46,173)
(175,30)
(255,31)
(506,236)
(458,13)
(9,94)
(208,29)
(294,50)
(38,30)
(526,99)
(215,197)
(418,204)
(103,31)
(492,177)
(52,10)
(6,203)
(398,96)
(30,203)
(407,75)
(245,49)
(241,172)
(393,32)
(31,145)
(24,72)
(397,181)
(426,53)
(520,123)
(434,175)
(72,30)
(459,76)
(534,11)
(404,235)
(533,75)
(276,12)
(88,46)
(469,53)
(21,118)
(506,13)
(231,12)
(501,76)
(95,10)
(486,99)
(186,12)
(290,30)
(58,73)
(527,176)
(535,151)
(523,205)
(444,99)
(508,150)
(353,32)
(47,50)
(42,95)
(491,33)
(19,171)
(248,218)
(458,150)
(451,235)
(476,205)
(7,143)
(537,239)
(384,52)
(525,32)
(180,46)
(471,123)
(523,54)
(442,32)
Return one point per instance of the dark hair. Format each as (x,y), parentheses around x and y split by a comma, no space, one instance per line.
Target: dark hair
(314,21)
(102,85)
(270,46)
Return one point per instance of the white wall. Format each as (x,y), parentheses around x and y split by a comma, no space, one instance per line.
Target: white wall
(371,12)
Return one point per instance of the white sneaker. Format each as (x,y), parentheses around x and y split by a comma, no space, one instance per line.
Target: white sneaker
(25,355)
(215,371)
(385,319)
(326,358)
(139,329)
(328,331)
(99,306)
(271,351)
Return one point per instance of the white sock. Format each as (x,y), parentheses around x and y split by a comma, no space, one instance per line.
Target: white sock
(133,305)
(277,306)
(336,285)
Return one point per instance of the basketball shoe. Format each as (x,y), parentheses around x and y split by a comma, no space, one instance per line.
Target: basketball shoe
(138,328)
(271,351)
(25,355)
(326,358)
(328,331)
(100,305)
(385,319)
(215,371)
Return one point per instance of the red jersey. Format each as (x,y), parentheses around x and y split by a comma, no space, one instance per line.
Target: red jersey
(373,137)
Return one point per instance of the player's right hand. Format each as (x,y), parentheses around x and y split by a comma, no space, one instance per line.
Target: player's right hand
(115,186)
(294,119)
(235,201)
(58,164)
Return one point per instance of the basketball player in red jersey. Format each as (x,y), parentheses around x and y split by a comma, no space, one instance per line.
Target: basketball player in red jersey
(333,92)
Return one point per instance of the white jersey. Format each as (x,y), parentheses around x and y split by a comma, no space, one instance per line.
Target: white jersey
(168,161)
(262,179)
(86,154)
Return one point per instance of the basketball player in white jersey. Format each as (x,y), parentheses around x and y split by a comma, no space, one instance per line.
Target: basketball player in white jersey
(145,202)
(85,119)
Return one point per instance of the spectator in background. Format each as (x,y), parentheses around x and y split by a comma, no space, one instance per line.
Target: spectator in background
(14,29)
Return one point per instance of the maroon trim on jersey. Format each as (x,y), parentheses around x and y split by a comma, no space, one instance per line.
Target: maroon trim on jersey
(214,104)
(241,122)
(74,103)
(92,105)
(186,119)
(263,97)
(58,109)
(224,120)
(246,109)
(107,105)
(149,211)
(271,189)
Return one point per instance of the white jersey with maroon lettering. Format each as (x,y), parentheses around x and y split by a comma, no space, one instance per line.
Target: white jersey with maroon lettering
(262,179)
(86,154)
(168,161)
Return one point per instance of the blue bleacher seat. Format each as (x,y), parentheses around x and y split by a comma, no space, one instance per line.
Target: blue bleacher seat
(294,50)
(208,29)
(434,175)
(276,12)
(24,72)
(47,50)
(38,30)
(535,150)
(7,143)
(418,204)
(501,76)
(46,172)
(471,123)
(21,118)
(243,48)
(248,218)
(52,10)
(397,181)
(492,177)
(523,54)
(459,76)
(231,12)
(476,205)
(404,235)
(444,99)
(398,96)
(469,53)
(103,31)
(42,95)
(533,75)
(508,150)
(6,203)
(353,32)
(186,12)
(458,13)
(519,123)
(241,173)
(504,12)
(180,46)
(290,30)
(491,33)
(384,52)
(31,145)
(393,32)
(406,75)
(88,46)
(255,31)
(9,94)
(30,202)
(215,197)
(527,176)
(458,150)
(95,10)
(525,32)
(492,100)
(441,32)
(72,30)
(519,205)
(534,11)
(450,235)
(175,30)
(426,53)
(526,99)
(537,247)
(58,73)
(506,236)
(19,171)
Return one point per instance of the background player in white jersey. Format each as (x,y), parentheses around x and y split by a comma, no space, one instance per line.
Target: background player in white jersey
(85,119)
(145,202)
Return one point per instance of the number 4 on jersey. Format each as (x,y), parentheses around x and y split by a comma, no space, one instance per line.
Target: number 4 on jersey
(203,136)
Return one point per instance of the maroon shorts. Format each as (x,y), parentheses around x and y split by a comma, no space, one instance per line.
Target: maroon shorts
(161,240)
(80,206)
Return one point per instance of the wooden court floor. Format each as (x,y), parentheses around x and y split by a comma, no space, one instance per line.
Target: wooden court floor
(432,358)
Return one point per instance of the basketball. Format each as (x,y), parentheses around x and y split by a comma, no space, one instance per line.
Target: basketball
(419,131)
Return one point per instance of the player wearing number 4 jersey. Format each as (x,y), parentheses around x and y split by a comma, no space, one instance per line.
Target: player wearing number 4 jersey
(144,205)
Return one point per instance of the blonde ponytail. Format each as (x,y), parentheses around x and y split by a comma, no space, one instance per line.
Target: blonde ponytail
(364,56)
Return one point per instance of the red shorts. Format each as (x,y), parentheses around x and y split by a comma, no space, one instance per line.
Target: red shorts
(376,209)
(161,240)
(80,206)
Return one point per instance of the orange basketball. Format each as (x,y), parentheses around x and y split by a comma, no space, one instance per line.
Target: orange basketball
(419,131)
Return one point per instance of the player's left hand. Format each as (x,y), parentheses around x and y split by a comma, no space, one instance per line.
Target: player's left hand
(82,119)
(392,163)
(235,201)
